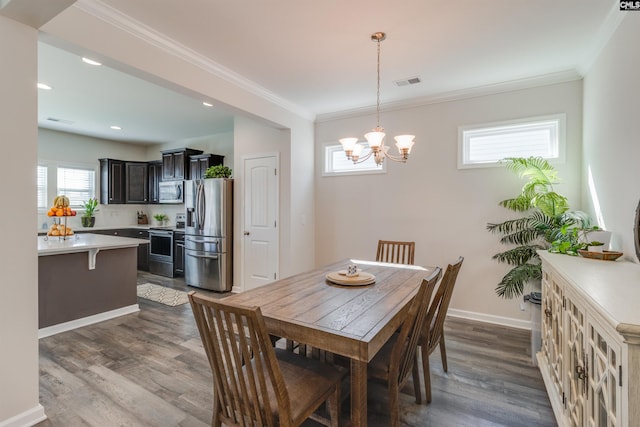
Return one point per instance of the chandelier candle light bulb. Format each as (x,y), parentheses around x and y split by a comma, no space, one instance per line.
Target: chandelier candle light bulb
(375,138)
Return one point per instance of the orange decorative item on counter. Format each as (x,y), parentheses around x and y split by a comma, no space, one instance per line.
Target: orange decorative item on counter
(61,207)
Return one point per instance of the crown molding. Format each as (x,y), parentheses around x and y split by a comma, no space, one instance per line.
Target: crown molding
(605,32)
(137,29)
(472,92)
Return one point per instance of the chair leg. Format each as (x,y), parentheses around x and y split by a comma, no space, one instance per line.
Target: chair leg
(426,372)
(416,381)
(333,407)
(394,403)
(443,353)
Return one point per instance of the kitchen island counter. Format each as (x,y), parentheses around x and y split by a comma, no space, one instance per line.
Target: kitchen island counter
(85,242)
(85,279)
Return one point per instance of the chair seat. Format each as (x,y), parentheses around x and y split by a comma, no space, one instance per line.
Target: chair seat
(309,383)
(305,379)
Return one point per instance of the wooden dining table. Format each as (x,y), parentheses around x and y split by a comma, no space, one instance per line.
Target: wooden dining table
(352,321)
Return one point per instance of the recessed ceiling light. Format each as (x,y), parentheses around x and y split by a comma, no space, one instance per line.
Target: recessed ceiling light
(206,104)
(114,127)
(44,86)
(90,61)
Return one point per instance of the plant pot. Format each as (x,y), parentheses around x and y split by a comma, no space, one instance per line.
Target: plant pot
(601,236)
(88,221)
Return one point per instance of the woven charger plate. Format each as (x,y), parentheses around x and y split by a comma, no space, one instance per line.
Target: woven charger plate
(604,255)
(360,280)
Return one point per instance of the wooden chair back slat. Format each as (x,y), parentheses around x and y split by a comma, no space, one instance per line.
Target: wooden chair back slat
(403,354)
(395,252)
(440,305)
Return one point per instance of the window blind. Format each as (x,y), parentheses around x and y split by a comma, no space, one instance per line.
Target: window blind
(41,183)
(77,184)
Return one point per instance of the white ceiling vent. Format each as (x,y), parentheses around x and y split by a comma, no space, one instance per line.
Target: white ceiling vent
(61,121)
(407,82)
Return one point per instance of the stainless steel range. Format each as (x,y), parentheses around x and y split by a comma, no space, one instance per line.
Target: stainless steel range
(161,249)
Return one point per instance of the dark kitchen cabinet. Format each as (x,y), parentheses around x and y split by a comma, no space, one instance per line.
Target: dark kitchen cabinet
(175,163)
(178,253)
(112,181)
(155,176)
(199,164)
(143,250)
(136,182)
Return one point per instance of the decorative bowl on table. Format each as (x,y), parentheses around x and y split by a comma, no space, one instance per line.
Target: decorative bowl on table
(340,278)
(604,255)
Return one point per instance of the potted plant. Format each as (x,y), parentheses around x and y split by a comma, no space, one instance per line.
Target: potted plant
(90,206)
(547,223)
(218,171)
(160,218)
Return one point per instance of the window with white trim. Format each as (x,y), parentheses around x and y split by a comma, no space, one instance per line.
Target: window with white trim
(485,145)
(41,183)
(77,182)
(336,162)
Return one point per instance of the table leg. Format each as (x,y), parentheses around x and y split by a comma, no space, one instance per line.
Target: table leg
(358,393)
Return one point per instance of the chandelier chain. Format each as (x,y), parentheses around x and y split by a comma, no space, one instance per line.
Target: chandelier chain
(378,91)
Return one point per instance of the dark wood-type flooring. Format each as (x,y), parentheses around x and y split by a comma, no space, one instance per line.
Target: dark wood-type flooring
(149,369)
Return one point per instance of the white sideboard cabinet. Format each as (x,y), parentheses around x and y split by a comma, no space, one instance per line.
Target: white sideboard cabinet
(590,354)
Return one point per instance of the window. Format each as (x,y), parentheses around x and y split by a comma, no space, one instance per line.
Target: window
(336,163)
(485,145)
(41,182)
(77,182)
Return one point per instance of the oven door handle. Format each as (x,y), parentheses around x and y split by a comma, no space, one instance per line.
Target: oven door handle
(203,256)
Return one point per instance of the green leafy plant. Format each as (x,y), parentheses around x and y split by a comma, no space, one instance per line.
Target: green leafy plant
(547,219)
(218,171)
(160,217)
(89,207)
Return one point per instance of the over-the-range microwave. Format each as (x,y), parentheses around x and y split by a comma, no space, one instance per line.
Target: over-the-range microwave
(171,192)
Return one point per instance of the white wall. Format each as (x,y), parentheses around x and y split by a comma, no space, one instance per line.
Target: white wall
(611,134)
(428,200)
(251,138)
(18,254)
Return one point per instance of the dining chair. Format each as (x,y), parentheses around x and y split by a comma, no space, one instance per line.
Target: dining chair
(395,252)
(433,332)
(253,383)
(397,357)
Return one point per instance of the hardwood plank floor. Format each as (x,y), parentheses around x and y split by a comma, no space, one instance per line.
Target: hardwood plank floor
(149,369)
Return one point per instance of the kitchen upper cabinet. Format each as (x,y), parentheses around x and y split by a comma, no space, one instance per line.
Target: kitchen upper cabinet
(201,162)
(155,176)
(112,181)
(175,163)
(136,182)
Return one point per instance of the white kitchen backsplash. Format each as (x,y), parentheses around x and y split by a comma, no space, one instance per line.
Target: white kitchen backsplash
(117,216)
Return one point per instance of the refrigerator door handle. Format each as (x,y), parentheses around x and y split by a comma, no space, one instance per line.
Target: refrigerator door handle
(203,256)
(200,207)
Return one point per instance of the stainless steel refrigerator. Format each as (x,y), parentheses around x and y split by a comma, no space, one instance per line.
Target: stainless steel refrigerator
(208,241)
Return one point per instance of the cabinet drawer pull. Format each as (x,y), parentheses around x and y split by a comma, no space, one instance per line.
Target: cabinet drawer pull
(547,312)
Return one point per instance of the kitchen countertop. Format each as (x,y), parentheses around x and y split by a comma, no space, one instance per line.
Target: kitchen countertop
(85,242)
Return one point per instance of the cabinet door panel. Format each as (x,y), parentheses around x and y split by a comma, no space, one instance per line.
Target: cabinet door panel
(604,386)
(137,182)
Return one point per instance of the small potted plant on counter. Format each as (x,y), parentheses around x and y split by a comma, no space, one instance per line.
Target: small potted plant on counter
(88,220)
(160,219)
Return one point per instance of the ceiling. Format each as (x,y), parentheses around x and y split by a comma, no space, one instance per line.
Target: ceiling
(318,57)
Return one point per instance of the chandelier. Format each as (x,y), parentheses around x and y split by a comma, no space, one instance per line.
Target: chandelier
(375,138)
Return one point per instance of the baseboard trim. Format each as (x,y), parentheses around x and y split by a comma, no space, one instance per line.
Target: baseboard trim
(26,419)
(85,321)
(489,318)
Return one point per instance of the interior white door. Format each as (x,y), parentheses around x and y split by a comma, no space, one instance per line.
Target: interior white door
(260,221)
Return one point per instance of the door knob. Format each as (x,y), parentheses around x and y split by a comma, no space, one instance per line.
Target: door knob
(246,233)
